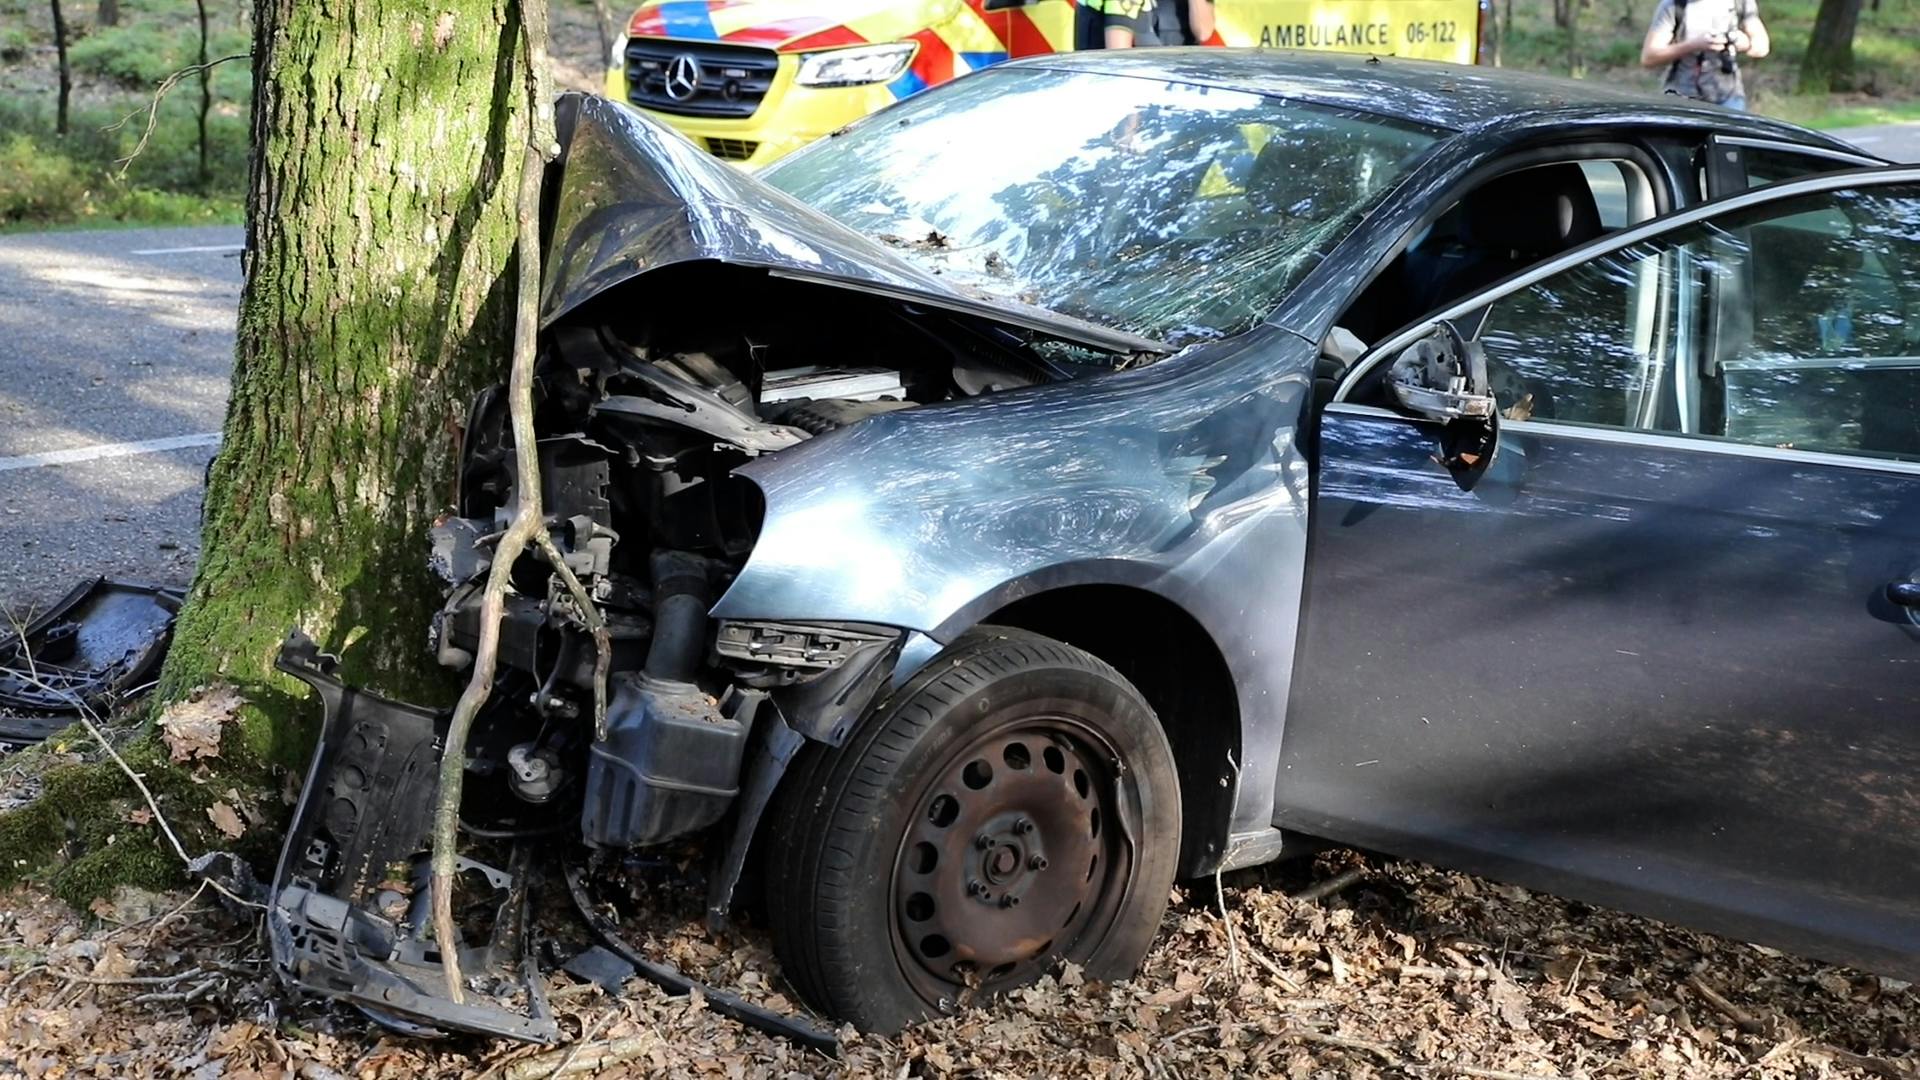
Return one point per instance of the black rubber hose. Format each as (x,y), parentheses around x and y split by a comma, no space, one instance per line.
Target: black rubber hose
(680,602)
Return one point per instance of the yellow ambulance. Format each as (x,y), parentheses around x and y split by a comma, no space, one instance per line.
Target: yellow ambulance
(752,80)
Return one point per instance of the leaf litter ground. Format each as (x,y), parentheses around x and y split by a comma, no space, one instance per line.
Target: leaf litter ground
(1408,971)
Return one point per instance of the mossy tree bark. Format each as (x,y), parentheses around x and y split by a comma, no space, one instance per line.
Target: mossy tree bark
(380,228)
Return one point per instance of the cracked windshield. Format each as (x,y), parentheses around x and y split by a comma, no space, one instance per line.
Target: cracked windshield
(1179,212)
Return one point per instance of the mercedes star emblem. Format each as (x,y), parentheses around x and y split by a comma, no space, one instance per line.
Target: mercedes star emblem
(683,77)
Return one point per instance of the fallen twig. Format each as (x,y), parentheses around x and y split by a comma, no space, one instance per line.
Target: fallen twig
(1392,1059)
(1279,974)
(1740,1017)
(527,524)
(577,1060)
(1874,1065)
(586,1036)
(1320,890)
(1447,974)
(130,980)
(1220,893)
(183,997)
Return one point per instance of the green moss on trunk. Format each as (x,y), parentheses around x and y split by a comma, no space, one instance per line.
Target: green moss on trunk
(380,233)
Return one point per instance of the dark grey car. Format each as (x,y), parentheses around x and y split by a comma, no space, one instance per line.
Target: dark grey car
(1106,468)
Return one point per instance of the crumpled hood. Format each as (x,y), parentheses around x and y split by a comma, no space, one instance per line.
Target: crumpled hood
(629,195)
(788,25)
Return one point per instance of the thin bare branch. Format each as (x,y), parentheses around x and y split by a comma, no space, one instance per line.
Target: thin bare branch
(528,524)
(152,107)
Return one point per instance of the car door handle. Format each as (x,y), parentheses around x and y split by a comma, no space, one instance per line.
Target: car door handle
(1904,593)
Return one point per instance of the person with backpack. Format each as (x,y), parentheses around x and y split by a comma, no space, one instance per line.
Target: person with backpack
(1699,43)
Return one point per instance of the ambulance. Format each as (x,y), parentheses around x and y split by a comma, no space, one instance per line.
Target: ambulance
(753,80)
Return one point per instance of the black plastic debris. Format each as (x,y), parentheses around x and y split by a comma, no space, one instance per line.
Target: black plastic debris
(598,964)
(349,914)
(722,1002)
(101,642)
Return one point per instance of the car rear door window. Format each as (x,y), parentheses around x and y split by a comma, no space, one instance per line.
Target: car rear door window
(1817,348)
(1795,325)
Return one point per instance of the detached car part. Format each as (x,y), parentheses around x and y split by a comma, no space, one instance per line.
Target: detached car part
(102,640)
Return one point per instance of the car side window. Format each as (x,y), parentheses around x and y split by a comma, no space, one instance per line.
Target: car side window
(1771,165)
(1794,325)
(1816,349)
(1589,345)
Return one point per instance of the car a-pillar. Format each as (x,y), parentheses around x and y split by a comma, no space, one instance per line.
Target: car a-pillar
(1016,804)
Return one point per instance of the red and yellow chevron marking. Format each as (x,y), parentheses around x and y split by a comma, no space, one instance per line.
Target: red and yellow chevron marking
(968,28)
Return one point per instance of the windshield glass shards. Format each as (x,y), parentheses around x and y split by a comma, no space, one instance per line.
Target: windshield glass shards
(1175,211)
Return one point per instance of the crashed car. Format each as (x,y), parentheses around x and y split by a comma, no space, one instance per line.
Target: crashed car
(1116,467)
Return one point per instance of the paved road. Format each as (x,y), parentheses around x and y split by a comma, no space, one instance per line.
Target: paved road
(115,350)
(1895,142)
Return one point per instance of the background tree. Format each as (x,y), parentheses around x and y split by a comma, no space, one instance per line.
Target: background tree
(66,68)
(1828,64)
(387,138)
(107,14)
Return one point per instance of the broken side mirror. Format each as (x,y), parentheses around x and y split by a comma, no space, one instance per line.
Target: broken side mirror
(1443,377)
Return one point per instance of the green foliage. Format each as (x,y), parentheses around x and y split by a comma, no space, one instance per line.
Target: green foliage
(139,55)
(1605,44)
(14,43)
(49,180)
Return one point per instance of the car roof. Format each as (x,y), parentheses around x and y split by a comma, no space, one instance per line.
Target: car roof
(1451,97)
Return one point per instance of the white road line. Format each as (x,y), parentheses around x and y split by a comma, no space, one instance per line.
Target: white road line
(108,450)
(188,250)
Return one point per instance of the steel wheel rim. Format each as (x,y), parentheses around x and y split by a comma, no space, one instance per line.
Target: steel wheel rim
(1015,852)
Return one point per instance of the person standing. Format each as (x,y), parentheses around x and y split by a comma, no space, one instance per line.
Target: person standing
(1130,24)
(1184,22)
(1089,25)
(1699,42)
(1141,23)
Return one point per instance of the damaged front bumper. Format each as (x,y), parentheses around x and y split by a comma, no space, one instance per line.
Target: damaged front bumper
(350,910)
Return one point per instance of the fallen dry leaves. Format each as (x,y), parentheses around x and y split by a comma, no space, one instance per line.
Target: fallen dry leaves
(191,728)
(1408,972)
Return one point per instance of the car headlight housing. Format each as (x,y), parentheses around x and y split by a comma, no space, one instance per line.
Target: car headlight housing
(856,66)
(617,58)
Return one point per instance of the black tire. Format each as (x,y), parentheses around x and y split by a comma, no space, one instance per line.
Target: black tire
(998,771)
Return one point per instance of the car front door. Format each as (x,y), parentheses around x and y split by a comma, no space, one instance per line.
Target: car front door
(1661,652)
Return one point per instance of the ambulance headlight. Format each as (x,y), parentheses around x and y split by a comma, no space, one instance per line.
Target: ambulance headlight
(857,66)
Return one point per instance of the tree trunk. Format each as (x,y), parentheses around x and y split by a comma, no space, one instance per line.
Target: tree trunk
(603,22)
(66,69)
(381,220)
(1828,64)
(380,224)
(107,14)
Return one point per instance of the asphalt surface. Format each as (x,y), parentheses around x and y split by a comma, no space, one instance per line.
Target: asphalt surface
(1895,142)
(116,349)
(109,342)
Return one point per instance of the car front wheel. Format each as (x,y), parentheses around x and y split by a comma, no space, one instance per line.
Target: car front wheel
(1012,807)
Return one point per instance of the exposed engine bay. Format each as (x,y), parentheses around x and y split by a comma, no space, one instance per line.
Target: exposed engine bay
(643,421)
(646,400)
